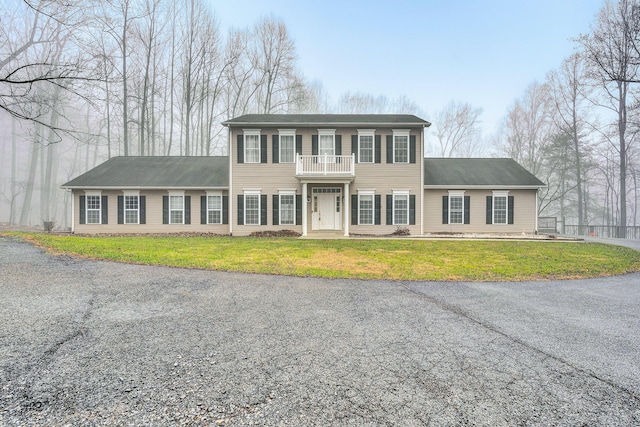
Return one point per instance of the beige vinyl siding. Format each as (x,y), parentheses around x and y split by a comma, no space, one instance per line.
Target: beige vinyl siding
(153,216)
(524,213)
(269,178)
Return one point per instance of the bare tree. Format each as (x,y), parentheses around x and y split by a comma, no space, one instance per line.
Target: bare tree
(457,129)
(570,114)
(30,63)
(612,57)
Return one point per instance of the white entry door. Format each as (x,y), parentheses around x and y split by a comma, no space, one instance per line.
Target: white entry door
(326,212)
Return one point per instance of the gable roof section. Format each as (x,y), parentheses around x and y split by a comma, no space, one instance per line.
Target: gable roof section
(306,120)
(470,173)
(164,172)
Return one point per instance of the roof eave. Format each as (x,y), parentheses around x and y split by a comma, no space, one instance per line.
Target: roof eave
(483,187)
(138,187)
(316,124)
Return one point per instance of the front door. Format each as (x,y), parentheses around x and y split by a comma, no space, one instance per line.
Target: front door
(325,214)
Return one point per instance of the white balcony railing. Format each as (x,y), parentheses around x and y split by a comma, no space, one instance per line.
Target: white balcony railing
(325,165)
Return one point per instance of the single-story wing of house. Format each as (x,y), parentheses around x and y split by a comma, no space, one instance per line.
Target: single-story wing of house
(313,174)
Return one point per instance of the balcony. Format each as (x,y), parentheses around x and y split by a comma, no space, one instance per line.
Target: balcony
(325,165)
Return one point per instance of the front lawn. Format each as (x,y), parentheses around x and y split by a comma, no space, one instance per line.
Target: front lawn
(437,260)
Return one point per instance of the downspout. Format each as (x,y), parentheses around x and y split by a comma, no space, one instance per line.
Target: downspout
(230,212)
(536,224)
(73,212)
(422,183)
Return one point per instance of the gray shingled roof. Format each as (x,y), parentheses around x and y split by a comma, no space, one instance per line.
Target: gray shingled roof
(301,120)
(156,172)
(477,172)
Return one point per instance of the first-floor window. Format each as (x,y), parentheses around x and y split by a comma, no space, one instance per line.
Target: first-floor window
(214,209)
(499,209)
(252,209)
(131,209)
(93,209)
(456,209)
(365,209)
(176,209)
(400,209)
(287,209)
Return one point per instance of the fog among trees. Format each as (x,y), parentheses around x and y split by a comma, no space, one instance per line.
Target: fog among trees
(83,81)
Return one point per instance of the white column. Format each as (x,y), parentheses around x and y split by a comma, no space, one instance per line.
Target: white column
(346,209)
(304,208)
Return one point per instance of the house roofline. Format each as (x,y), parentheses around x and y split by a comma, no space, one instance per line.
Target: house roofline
(120,187)
(303,124)
(483,187)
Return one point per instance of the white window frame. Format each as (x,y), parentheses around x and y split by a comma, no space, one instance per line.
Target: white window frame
(362,196)
(292,152)
(500,195)
(322,151)
(172,195)
(92,194)
(291,194)
(127,194)
(367,133)
(452,195)
(210,196)
(397,195)
(251,194)
(251,154)
(400,133)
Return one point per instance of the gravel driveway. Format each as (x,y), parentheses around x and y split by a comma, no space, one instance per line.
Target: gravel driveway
(101,343)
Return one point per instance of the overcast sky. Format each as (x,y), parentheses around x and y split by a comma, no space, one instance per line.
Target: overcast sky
(482,52)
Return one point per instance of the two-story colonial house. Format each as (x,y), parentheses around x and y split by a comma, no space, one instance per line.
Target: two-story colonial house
(319,174)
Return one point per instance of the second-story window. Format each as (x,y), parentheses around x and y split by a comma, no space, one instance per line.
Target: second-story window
(251,147)
(326,146)
(400,147)
(365,146)
(287,146)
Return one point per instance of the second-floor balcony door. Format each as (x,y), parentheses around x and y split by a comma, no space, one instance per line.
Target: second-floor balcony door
(326,149)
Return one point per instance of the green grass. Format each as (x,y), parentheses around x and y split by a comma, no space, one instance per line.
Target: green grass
(438,260)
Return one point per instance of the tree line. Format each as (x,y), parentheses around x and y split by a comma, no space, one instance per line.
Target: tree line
(81,82)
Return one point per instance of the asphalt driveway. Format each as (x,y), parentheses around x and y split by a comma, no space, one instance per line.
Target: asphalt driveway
(100,343)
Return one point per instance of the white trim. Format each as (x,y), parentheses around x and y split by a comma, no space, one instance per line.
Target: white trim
(93,193)
(130,192)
